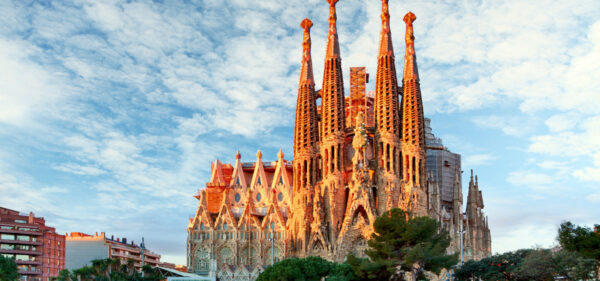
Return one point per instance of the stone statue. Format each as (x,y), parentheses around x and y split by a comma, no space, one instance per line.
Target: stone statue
(359,143)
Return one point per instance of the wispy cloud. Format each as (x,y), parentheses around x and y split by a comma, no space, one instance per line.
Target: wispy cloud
(474,160)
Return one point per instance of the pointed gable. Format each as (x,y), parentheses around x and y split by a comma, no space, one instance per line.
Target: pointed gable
(281,177)
(216,174)
(237,177)
(260,181)
(273,213)
(282,181)
(247,217)
(225,213)
(202,214)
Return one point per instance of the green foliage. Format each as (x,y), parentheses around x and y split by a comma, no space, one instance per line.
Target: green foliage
(529,264)
(109,270)
(413,244)
(496,267)
(580,239)
(573,266)
(306,269)
(8,269)
(365,269)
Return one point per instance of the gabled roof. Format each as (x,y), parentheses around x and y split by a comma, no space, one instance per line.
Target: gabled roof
(216,174)
(259,172)
(238,175)
(281,174)
(273,211)
(225,212)
(248,212)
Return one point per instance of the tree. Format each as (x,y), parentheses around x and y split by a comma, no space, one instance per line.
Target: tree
(529,264)
(580,239)
(8,269)
(573,266)
(109,270)
(404,244)
(496,267)
(306,269)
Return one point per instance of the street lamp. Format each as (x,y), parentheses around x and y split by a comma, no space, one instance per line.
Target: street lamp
(461,231)
(272,243)
(143,246)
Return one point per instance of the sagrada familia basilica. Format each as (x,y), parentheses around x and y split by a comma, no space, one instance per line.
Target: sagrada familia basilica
(354,158)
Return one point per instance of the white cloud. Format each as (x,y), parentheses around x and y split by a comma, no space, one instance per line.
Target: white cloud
(536,181)
(79,169)
(27,89)
(577,144)
(594,198)
(474,160)
(517,126)
(562,122)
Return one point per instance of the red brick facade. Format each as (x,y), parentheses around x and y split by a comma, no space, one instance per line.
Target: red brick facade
(38,250)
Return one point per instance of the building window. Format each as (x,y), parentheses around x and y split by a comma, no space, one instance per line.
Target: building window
(22,237)
(22,257)
(225,226)
(258,197)
(238,197)
(7,237)
(20,221)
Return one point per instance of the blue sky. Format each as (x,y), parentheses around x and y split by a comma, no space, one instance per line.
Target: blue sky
(111,111)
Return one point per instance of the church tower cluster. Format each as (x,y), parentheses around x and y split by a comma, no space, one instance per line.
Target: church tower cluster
(355,157)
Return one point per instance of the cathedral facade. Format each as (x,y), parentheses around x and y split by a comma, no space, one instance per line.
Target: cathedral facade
(355,157)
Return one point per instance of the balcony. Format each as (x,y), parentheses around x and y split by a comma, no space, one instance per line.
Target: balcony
(124,255)
(33,262)
(30,272)
(24,252)
(39,243)
(20,231)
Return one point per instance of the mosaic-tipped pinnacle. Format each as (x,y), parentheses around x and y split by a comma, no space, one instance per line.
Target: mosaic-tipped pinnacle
(306,24)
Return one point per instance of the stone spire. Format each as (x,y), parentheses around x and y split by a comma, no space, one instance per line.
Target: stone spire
(410,61)
(306,129)
(387,115)
(386,84)
(333,135)
(413,123)
(306,135)
(413,131)
(332,93)
(306,71)
(333,46)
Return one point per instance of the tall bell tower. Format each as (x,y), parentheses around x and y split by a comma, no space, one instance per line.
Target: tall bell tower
(306,135)
(333,131)
(387,116)
(413,130)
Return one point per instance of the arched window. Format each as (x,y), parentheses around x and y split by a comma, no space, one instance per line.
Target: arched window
(225,226)
(202,226)
(201,260)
